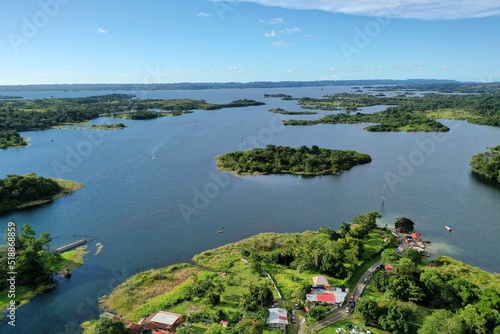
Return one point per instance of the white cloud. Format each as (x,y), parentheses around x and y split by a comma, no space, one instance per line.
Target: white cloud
(407,9)
(271,34)
(281,43)
(101,30)
(276,20)
(332,69)
(203,14)
(287,31)
(444,67)
(235,69)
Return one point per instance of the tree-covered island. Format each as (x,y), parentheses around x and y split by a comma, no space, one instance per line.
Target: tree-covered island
(487,164)
(285,112)
(40,114)
(22,191)
(287,160)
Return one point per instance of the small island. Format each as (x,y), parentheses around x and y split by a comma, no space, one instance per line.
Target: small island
(22,191)
(287,160)
(285,112)
(487,164)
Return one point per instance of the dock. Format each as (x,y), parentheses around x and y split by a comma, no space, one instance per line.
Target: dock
(69,246)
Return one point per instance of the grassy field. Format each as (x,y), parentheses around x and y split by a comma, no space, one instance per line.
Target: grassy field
(450,113)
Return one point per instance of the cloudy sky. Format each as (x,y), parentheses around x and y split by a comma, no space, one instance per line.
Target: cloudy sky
(156,41)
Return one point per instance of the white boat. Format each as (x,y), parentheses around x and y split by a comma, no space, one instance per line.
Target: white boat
(448,227)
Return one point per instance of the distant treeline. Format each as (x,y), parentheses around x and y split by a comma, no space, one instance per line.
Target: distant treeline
(218,85)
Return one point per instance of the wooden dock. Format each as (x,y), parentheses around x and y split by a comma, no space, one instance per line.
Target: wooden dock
(69,246)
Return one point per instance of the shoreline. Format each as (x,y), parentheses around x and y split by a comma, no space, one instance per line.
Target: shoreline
(68,187)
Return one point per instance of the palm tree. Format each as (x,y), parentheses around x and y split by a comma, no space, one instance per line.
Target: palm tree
(345,229)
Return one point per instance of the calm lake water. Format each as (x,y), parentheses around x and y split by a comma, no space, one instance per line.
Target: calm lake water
(150,213)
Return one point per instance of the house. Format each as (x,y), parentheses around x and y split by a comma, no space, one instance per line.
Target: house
(224,323)
(320,281)
(278,318)
(330,296)
(163,321)
(388,267)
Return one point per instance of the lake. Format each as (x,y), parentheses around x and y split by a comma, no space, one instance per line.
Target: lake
(149,213)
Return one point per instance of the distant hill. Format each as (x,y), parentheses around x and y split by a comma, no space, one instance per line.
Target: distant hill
(217,85)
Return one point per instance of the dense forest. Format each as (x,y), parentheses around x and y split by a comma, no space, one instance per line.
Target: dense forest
(16,190)
(430,297)
(487,164)
(282,159)
(406,113)
(39,114)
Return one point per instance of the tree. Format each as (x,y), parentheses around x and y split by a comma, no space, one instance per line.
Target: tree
(473,320)
(441,322)
(45,239)
(405,225)
(345,229)
(109,326)
(368,309)
(310,327)
(398,319)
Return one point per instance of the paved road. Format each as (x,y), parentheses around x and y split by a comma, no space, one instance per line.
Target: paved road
(341,313)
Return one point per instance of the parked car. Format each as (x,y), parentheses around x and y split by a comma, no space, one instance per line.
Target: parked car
(293,312)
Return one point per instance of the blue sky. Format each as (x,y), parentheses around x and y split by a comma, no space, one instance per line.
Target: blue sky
(164,41)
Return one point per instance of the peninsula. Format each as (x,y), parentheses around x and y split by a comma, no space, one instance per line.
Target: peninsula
(286,160)
(487,164)
(22,191)
(238,288)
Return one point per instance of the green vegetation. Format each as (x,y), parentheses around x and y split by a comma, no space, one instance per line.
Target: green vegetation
(232,282)
(39,114)
(404,225)
(11,138)
(105,325)
(284,112)
(427,297)
(487,164)
(406,113)
(29,256)
(282,159)
(18,192)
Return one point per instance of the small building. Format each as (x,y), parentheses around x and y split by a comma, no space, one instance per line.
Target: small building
(224,323)
(163,321)
(320,281)
(278,318)
(330,296)
(388,267)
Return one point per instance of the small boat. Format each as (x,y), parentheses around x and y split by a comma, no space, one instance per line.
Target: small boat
(220,231)
(448,227)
